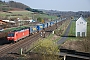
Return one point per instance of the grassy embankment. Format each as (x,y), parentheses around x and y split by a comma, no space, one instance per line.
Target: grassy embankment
(72,29)
(88,26)
(61,30)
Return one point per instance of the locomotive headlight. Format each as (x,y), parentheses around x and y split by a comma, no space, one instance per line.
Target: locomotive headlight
(8,37)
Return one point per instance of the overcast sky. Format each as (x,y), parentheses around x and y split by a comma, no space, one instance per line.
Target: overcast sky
(61,5)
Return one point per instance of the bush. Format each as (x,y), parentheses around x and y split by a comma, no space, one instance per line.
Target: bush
(47,48)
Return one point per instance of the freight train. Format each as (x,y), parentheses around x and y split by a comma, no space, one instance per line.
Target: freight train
(22,33)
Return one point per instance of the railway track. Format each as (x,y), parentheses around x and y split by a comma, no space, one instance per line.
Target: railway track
(24,43)
(13,48)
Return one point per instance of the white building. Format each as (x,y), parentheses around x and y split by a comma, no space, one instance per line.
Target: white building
(9,21)
(81,27)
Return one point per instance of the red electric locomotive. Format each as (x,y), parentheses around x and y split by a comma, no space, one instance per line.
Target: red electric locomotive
(17,35)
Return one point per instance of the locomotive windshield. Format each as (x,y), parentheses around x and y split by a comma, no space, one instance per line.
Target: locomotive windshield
(11,35)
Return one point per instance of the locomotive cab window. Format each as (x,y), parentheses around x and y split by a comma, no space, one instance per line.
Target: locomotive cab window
(11,35)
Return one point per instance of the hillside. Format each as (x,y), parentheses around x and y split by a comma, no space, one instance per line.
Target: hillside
(11,5)
(15,6)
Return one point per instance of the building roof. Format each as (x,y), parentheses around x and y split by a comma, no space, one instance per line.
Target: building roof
(81,18)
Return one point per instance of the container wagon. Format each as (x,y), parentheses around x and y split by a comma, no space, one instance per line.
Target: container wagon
(39,27)
(45,25)
(48,24)
(32,30)
(51,23)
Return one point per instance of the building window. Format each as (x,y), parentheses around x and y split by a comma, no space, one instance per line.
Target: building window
(83,34)
(81,22)
(78,34)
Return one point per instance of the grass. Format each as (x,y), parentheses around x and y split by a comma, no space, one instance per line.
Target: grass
(88,25)
(72,29)
(25,14)
(46,16)
(57,39)
(50,36)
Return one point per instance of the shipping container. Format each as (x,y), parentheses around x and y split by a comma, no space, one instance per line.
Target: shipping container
(48,24)
(39,27)
(51,23)
(45,25)
(33,29)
